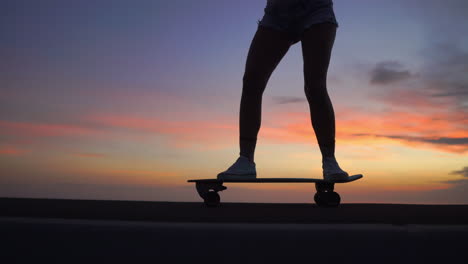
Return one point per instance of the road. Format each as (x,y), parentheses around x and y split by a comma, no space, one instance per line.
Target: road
(63,230)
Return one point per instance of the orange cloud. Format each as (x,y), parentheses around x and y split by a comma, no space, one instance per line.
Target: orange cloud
(413,129)
(12,151)
(182,133)
(438,131)
(445,131)
(47,130)
(417,100)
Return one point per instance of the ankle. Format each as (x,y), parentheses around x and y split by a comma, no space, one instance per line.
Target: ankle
(328,149)
(324,158)
(251,159)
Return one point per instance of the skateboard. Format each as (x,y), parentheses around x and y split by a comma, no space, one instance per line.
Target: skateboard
(324,197)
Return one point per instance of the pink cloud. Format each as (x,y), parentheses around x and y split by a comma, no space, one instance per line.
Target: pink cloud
(416,100)
(182,133)
(415,129)
(444,130)
(353,125)
(44,129)
(12,151)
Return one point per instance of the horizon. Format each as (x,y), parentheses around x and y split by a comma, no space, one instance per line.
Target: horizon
(127,100)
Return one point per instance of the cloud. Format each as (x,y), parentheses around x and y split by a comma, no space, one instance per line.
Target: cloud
(180,133)
(288,99)
(450,192)
(435,99)
(440,83)
(205,134)
(12,151)
(443,131)
(437,140)
(405,97)
(456,192)
(445,54)
(447,141)
(387,72)
(463,172)
(445,73)
(44,129)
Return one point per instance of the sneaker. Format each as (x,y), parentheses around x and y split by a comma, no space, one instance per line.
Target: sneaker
(332,171)
(243,168)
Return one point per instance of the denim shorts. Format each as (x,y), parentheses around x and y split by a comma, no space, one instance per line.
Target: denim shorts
(295,16)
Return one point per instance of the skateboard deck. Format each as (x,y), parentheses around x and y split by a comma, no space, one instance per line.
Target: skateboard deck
(279,180)
(325,197)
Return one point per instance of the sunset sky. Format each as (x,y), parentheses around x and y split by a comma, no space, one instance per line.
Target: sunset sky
(127,100)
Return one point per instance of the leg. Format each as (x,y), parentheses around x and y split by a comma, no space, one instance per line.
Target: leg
(267,49)
(317,43)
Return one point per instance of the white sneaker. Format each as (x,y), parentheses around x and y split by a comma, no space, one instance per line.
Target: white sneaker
(243,168)
(332,171)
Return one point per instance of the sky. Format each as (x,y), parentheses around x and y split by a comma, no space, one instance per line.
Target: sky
(127,100)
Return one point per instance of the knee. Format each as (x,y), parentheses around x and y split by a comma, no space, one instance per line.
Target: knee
(255,76)
(315,91)
(254,81)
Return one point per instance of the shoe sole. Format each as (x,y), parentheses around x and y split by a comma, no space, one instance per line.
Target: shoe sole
(336,177)
(236,176)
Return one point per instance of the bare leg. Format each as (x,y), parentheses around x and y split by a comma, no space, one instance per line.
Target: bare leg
(317,44)
(267,49)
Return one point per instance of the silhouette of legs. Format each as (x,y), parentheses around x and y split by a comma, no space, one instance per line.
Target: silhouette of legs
(317,43)
(267,49)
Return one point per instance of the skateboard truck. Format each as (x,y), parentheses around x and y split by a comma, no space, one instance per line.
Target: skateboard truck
(208,191)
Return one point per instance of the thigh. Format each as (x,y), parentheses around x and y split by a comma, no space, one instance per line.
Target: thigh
(317,43)
(267,49)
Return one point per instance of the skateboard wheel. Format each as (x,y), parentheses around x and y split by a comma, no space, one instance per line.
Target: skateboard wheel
(327,199)
(333,199)
(212,199)
(319,199)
